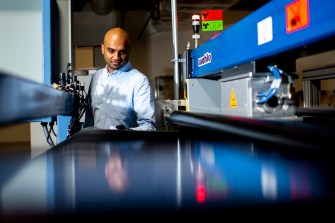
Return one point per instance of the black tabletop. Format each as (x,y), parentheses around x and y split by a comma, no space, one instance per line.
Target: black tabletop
(111,174)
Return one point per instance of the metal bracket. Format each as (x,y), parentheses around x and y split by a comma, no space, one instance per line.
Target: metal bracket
(178,60)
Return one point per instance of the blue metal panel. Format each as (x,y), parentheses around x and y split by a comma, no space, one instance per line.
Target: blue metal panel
(46,32)
(62,127)
(46,15)
(48,7)
(239,43)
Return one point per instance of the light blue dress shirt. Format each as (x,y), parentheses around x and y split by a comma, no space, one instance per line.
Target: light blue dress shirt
(123,97)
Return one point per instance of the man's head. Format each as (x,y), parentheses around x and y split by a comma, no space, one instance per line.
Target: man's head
(116,48)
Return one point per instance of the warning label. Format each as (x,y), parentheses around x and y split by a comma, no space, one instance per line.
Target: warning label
(233,102)
(297,15)
(210,15)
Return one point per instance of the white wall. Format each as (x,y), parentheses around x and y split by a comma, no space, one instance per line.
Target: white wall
(21,51)
(21,54)
(21,38)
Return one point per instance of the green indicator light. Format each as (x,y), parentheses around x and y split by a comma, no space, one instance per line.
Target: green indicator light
(212,25)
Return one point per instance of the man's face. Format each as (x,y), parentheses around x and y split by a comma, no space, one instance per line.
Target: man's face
(116,53)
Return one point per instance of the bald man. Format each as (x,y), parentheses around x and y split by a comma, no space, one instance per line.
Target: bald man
(119,96)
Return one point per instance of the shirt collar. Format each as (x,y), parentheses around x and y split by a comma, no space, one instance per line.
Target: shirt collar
(125,68)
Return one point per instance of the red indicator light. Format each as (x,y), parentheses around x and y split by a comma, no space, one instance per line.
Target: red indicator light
(209,15)
(201,193)
(297,15)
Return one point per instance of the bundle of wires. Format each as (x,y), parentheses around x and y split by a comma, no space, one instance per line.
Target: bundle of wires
(69,83)
(80,107)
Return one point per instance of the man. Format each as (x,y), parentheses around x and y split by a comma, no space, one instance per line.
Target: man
(119,96)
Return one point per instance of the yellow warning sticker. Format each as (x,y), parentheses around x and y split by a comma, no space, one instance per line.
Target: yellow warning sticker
(233,102)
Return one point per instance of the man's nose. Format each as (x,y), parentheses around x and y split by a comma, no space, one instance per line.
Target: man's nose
(118,54)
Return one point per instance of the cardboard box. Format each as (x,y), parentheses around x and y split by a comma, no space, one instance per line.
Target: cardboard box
(84,57)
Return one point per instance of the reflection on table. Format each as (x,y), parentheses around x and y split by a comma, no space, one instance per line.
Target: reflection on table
(108,172)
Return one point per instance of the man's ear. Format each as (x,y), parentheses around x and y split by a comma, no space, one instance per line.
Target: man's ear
(102,48)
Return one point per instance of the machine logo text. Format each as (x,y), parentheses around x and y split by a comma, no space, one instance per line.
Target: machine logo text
(205,59)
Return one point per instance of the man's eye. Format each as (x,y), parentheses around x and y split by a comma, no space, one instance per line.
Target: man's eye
(111,51)
(122,52)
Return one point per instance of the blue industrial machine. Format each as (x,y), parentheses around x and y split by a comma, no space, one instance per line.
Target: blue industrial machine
(266,32)
(249,69)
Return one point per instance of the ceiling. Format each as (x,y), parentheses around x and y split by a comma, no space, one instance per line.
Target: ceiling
(149,4)
(161,9)
(186,8)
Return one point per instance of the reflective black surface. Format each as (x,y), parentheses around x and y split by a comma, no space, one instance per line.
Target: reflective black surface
(110,174)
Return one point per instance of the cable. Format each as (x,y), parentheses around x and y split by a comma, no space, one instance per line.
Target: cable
(80,108)
(47,132)
(266,95)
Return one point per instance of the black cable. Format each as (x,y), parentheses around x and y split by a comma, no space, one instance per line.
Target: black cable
(51,130)
(47,133)
(49,139)
(80,108)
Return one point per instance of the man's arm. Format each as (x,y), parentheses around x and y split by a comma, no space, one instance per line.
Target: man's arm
(144,106)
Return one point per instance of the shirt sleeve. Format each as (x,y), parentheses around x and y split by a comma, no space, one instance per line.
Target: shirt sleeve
(144,106)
